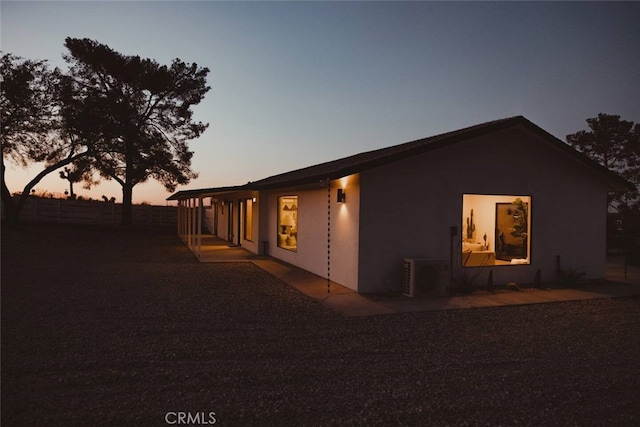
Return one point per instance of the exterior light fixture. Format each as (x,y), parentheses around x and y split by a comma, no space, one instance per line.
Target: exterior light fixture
(254,200)
(342,197)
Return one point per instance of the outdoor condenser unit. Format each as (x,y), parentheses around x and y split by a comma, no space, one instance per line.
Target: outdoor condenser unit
(425,278)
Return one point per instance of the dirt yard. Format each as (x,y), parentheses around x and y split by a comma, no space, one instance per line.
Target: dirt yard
(102,327)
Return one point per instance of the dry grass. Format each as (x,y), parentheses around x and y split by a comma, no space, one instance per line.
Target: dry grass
(102,327)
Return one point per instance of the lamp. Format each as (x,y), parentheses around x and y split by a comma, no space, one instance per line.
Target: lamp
(287,221)
(342,197)
(254,200)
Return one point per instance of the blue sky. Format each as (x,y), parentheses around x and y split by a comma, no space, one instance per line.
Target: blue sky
(299,83)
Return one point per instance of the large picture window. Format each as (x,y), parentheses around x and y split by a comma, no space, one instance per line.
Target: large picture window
(496,230)
(288,222)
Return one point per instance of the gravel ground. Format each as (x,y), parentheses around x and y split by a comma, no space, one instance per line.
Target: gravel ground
(112,328)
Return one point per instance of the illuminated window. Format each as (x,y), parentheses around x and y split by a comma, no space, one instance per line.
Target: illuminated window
(288,222)
(496,230)
(248,219)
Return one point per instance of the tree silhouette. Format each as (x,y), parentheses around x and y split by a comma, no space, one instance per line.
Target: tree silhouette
(615,144)
(141,111)
(79,171)
(30,126)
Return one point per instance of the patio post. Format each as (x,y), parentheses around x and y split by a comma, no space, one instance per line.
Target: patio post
(182,219)
(179,219)
(199,226)
(189,222)
(192,240)
(183,225)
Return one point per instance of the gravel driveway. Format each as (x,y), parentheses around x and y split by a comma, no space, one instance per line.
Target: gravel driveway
(112,328)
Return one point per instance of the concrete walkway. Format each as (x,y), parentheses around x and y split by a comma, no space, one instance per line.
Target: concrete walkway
(350,303)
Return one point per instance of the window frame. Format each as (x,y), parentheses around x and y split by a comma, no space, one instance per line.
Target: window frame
(487,255)
(284,236)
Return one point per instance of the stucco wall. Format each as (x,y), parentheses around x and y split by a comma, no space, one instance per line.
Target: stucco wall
(253,245)
(223,218)
(209,217)
(408,207)
(311,253)
(229,205)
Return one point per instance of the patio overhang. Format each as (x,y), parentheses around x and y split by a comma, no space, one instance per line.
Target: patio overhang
(207,192)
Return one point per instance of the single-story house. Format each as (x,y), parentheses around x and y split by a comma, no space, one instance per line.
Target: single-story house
(504,198)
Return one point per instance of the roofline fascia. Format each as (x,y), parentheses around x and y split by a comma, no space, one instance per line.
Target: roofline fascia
(448,138)
(452,139)
(206,192)
(624,184)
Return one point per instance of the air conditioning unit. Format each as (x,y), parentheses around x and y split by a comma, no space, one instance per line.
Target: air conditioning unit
(425,278)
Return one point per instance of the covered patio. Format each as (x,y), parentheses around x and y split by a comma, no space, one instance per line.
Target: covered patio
(211,248)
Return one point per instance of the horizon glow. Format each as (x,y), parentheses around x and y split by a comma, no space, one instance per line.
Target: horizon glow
(296,84)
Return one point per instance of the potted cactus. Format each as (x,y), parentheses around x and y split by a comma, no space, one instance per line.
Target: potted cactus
(471,227)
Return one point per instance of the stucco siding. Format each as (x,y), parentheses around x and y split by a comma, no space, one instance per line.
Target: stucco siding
(223,220)
(409,206)
(312,231)
(406,211)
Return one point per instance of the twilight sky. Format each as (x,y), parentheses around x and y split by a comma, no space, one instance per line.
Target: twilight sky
(295,84)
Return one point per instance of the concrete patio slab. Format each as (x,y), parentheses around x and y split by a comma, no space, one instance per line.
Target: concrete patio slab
(350,303)
(335,296)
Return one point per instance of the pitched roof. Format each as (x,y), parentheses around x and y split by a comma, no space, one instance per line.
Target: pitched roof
(360,162)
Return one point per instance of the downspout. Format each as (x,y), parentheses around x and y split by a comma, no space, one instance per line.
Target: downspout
(327,183)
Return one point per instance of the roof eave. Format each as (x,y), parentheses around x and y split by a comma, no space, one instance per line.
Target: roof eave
(615,182)
(206,192)
(359,163)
